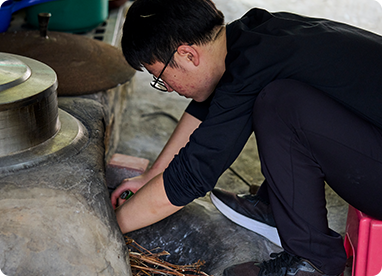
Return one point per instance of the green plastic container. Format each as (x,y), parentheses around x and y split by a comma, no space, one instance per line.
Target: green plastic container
(70,15)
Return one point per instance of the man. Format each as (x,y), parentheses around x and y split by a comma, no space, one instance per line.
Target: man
(310,89)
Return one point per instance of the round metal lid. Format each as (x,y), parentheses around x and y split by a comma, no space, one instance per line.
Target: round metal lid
(12,71)
(22,79)
(33,129)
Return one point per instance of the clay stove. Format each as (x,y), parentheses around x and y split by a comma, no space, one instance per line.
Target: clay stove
(55,213)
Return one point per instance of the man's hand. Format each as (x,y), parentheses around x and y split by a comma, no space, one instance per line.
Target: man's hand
(149,205)
(129,184)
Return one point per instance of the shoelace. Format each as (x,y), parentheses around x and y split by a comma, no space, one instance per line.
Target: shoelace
(253,198)
(279,261)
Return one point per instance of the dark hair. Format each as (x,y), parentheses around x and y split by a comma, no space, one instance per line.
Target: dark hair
(154,29)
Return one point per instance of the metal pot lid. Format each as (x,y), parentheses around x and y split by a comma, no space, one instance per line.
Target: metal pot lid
(22,79)
(12,71)
(83,65)
(32,127)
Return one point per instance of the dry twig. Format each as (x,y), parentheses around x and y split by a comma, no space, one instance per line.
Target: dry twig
(146,263)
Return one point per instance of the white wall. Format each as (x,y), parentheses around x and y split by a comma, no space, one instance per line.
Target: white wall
(366,14)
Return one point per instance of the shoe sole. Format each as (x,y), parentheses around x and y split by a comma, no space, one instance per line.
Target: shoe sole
(260,228)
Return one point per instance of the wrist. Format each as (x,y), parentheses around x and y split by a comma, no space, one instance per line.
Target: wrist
(152,172)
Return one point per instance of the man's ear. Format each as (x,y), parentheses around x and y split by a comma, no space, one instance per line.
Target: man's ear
(189,53)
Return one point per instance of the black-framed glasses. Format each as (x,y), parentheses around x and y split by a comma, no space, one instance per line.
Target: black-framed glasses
(158,83)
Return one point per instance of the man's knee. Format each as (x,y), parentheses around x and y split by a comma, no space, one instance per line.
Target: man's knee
(283,91)
(283,96)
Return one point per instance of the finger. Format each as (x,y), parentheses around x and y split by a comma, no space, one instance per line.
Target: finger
(114,198)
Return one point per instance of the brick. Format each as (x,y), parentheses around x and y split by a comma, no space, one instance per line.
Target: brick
(123,166)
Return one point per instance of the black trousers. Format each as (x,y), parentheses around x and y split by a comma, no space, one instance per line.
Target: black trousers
(306,139)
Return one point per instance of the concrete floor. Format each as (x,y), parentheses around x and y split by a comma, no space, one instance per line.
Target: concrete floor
(151,116)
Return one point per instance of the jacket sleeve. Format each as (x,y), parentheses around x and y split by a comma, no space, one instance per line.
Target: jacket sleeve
(212,148)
